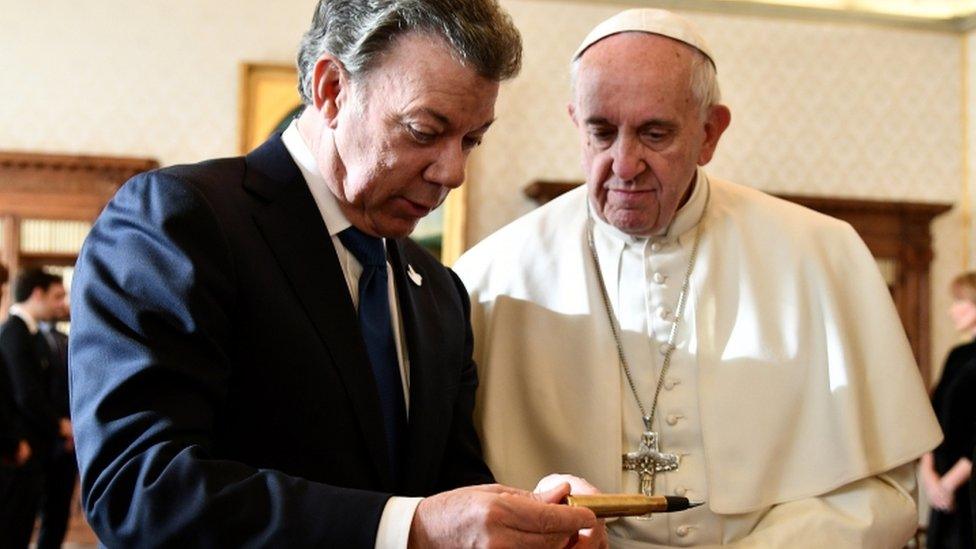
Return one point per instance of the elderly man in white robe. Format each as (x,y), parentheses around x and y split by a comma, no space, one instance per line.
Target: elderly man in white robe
(662,331)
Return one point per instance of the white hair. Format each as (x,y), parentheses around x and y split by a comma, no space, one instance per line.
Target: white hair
(479,32)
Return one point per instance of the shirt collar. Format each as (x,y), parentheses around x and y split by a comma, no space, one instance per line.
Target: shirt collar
(684,220)
(22,313)
(335,220)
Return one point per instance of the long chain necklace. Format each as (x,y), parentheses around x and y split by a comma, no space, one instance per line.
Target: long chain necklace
(648,460)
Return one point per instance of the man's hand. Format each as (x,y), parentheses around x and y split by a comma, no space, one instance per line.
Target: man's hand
(939,497)
(67,433)
(497,516)
(595,537)
(64,428)
(23,454)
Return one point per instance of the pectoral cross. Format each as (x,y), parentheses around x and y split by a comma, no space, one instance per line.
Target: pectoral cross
(648,460)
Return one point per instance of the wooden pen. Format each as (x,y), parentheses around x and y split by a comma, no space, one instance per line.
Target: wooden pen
(629,505)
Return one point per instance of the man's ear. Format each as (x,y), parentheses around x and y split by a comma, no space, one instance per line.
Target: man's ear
(37,294)
(571,109)
(329,87)
(719,118)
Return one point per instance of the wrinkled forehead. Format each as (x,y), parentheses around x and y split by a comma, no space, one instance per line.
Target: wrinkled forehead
(421,73)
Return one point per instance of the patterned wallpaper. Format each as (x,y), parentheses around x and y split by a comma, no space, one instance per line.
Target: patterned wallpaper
(147,78)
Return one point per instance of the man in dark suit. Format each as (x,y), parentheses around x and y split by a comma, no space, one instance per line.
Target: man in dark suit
(38,296)
(259,357)
(61,468)
(15,451)
(10,438)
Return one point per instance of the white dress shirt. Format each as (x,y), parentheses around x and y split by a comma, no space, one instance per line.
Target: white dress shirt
(22,313)
(394,527)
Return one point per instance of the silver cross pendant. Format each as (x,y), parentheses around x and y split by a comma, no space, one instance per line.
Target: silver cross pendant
(648,460)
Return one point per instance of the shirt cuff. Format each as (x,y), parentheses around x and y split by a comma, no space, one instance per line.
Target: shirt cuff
(394,529)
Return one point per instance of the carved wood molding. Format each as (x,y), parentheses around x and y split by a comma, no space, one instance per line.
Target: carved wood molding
(896,231)
(58,187)
(54,186)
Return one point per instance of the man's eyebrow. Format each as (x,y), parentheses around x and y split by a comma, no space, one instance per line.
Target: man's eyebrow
(440,117)
(597,121)
(484,127)
(651,123)
(443,119)
(659,123)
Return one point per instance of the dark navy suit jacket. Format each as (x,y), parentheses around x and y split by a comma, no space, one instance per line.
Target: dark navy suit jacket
(26,370)
(220,388)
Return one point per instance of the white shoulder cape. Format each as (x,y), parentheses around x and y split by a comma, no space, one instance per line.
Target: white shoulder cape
(806,379)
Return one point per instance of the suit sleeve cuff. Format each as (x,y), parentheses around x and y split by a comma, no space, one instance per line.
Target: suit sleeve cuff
(394,529)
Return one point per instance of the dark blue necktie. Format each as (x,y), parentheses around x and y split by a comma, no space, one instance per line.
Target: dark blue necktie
(376,325)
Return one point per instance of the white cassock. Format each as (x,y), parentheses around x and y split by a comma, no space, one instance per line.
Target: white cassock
(792,396)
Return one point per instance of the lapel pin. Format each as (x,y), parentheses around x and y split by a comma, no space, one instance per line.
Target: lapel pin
(414,276)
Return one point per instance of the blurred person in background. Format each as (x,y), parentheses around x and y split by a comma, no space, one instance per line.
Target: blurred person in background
(10,440)
(946,470)
(38,296)
(61,470)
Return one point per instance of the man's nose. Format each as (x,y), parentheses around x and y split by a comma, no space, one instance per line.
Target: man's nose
(448,168)
(628,162)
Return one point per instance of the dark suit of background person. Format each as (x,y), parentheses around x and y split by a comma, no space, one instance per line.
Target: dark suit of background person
(27,373)
(61,467)
(10,437)
(9,431)
(954,401)
(221,390)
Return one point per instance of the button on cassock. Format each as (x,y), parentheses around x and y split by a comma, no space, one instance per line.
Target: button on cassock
(682,530)
(659,278)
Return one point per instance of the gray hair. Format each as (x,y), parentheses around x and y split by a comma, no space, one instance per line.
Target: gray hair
(704,81)
(479,33)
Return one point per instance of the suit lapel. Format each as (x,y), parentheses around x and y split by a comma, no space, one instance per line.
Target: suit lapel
(294,230)
(429,405)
